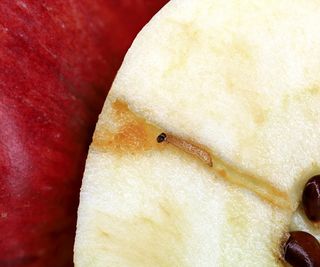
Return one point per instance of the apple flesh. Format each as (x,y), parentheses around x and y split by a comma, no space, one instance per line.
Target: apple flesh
(239,81)
(237,89)
(149,204)
(56,59)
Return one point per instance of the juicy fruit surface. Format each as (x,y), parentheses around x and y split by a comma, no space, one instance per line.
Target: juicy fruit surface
(240,78)
(146,205)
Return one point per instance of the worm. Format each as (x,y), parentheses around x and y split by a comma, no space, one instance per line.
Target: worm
(186,146)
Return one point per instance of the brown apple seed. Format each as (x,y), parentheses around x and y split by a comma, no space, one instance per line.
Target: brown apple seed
(302,250)
(311,199)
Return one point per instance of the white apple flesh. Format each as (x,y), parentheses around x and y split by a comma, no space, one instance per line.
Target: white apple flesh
(144,204)
(242,80)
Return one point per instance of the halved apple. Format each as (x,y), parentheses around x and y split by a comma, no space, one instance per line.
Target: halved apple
(237,80)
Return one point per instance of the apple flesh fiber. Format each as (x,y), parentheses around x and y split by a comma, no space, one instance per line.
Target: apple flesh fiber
(56,58)
(234,81)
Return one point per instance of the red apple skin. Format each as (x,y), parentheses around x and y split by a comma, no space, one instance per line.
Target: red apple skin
(56,58)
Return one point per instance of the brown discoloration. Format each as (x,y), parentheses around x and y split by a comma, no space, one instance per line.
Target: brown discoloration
(263,189)
(222,173)
(131,137)
(132,134)
(125,132)
(229,172)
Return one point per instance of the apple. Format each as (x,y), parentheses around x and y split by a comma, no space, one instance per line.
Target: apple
(58,59)
(206,140)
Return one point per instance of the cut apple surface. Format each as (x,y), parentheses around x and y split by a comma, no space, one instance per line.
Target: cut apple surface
(237,79)
(242,78)
(145,204)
